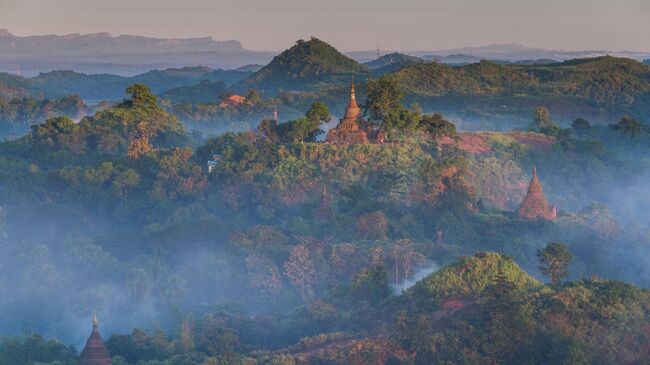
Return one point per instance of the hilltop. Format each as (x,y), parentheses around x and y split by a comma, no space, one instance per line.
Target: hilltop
(392,62)
(485,309)
(303,66)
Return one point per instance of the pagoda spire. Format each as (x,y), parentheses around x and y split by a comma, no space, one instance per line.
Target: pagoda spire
(95,353)
(95,321)
(535,205)
(352,112)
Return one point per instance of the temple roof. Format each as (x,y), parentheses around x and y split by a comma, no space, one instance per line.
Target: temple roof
(95,353)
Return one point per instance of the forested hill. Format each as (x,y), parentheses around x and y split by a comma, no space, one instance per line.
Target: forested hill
(603,79)
(110,87)
(303,66)
(393,59)
(13,86)
(589,85)
(485,309)
(392,62)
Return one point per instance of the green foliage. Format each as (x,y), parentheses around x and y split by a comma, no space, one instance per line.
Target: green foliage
(554,261)
(283,222)
(136,126)
(596,77)
(382,96)
(437,126)
(470,277)
(580,323)
(141,96)
(628,126)
(543,123)
(371,284)
(304,129)
(392,62)
(304,63)
(581,127)
(400,119)
(16,115)
(35,349)
(318,112)
(203,92)
(601,88)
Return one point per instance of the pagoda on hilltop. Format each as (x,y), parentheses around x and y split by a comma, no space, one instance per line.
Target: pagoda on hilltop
(95,352)
(535,206)
(352,129)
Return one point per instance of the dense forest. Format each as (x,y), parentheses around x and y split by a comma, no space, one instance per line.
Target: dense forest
(292,250)
(255,242)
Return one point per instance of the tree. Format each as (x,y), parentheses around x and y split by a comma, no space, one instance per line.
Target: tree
(371,284)
(253,96)
(141,96)
(437,126)
(581,127)
(382,95)
(554,261)
(268,128)
(263,274)
(508,322)
(543,123)
(628,126)
(400,119)
(318,112)
(372,226)
(299,268)
(139,147)
(299,130)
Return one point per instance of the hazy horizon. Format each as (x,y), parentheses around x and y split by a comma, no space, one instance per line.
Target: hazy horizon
(414,25)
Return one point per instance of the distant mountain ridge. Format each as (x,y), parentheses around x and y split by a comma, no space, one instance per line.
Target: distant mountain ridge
(105,43)
(504,52)
(518,52)
(122,54)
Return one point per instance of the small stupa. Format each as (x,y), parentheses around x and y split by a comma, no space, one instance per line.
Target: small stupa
(535,206)
(95,352)
(352,129)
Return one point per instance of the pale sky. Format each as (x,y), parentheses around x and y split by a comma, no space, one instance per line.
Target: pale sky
(273,25)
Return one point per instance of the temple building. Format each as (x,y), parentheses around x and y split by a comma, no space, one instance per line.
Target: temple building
(95,352)
(535,206)
(352,129)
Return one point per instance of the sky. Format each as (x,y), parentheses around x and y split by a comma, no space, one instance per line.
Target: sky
(272,25)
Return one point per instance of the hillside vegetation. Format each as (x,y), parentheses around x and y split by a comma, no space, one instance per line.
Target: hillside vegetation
(289,250)
(392,62)
(615,84)
(110,87)
(485,309)
(303,66)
